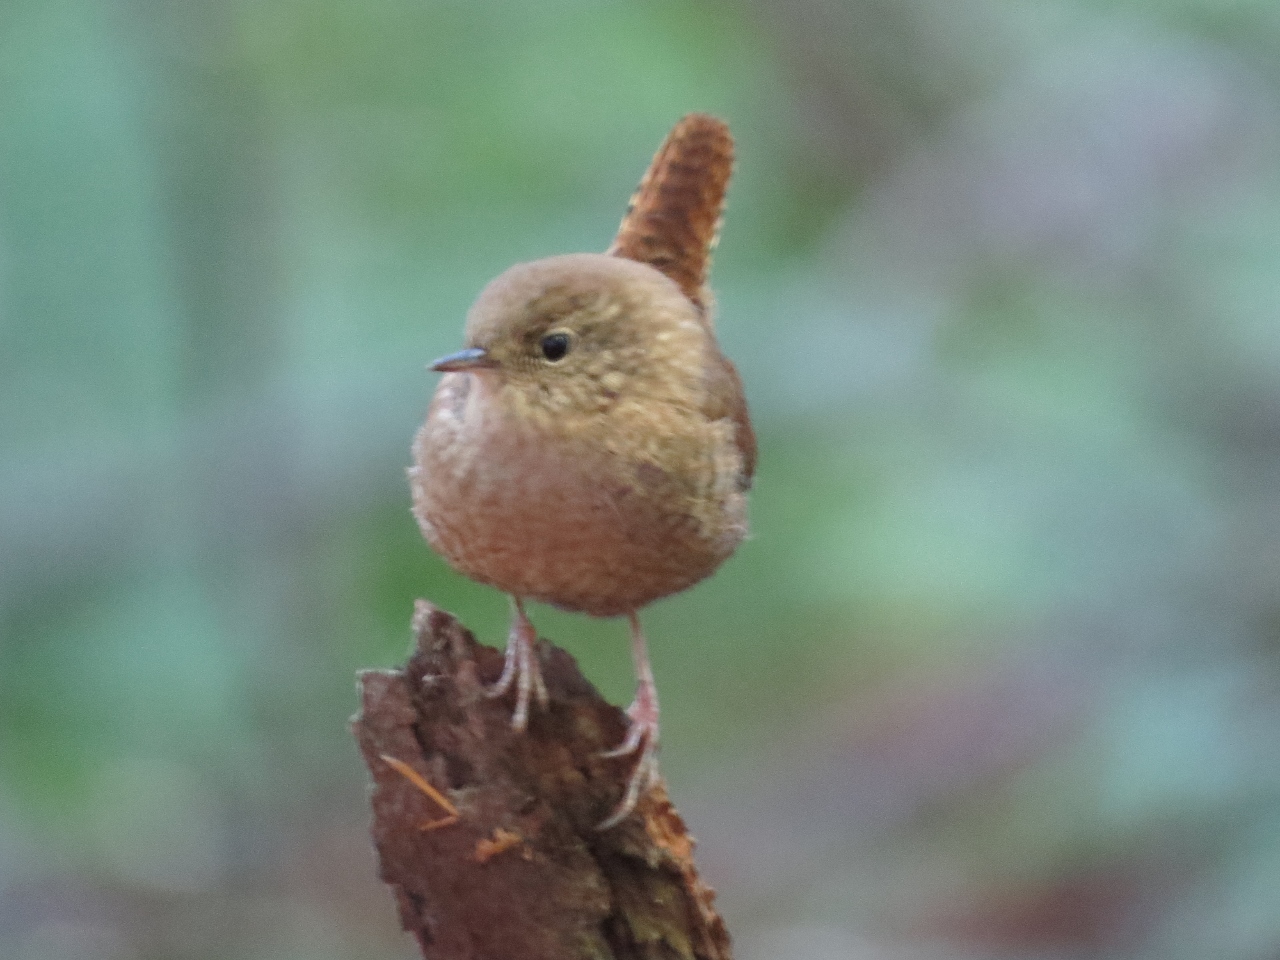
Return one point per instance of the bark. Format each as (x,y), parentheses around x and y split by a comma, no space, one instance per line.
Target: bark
(507,863)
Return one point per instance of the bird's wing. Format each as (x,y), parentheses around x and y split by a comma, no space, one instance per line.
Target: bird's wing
(726,400)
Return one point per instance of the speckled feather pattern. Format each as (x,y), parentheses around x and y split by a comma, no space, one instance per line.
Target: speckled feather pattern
(601,485)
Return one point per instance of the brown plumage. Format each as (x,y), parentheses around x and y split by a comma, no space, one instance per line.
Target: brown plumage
(673,220)
(591,448)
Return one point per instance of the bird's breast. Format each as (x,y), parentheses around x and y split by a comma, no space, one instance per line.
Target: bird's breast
(599,516)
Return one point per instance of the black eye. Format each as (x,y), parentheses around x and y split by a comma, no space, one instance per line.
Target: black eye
(555,346)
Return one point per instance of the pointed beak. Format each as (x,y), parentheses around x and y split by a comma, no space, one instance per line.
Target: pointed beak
(473,358)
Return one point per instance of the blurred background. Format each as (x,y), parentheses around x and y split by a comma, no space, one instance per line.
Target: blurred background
(998,675)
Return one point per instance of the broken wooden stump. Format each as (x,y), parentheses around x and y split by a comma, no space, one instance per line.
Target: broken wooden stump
(489,838)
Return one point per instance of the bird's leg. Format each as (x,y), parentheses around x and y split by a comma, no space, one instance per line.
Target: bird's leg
(642,735)
(521,667)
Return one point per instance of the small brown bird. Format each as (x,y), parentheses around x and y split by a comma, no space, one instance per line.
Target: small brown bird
(590,448)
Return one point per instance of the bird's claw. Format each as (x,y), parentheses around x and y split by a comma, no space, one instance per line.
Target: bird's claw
(522,669)
(636,732)
(642,737)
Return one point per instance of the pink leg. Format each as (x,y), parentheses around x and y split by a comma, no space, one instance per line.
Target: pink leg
(642,735)
(521,667)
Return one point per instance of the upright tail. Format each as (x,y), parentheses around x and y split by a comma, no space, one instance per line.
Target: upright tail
(673,220)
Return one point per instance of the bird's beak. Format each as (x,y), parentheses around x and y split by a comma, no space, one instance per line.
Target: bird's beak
(472,358)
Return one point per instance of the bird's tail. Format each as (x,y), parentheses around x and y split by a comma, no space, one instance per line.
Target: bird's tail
(673,220)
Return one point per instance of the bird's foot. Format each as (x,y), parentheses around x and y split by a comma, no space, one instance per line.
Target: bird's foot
(642,738)
(521,668)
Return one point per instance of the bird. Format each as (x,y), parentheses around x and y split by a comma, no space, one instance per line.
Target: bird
(590,447)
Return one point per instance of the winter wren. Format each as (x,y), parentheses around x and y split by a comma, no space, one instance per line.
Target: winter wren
(590,447)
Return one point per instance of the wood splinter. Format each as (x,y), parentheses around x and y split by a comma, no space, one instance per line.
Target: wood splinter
(423,784)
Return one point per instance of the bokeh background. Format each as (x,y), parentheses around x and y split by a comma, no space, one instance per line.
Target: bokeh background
(997,675)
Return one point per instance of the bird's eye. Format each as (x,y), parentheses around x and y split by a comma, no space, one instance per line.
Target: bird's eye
(555,346)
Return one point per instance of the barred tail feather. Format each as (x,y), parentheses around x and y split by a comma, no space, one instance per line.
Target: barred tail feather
(673,220)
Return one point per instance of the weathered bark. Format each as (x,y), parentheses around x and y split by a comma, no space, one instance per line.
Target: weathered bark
(521,872)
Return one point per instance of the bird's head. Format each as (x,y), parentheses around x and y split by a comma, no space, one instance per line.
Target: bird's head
(576,333)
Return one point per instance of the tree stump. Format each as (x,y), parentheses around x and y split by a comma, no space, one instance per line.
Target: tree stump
(489,838)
